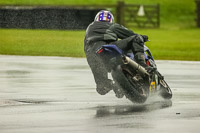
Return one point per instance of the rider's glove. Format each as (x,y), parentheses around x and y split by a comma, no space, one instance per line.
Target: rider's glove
(150,69)
(145,38)
(139,39)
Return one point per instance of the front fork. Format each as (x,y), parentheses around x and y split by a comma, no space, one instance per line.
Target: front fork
(155,82)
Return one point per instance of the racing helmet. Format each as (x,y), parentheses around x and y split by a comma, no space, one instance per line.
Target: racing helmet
(104,15)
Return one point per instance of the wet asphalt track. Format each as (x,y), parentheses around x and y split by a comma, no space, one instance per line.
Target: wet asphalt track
(57,95)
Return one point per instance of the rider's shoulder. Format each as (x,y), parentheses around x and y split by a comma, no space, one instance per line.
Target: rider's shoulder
(118,26)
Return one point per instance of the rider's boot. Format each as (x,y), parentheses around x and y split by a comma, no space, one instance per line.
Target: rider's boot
(107,86)
(104,87)
(140,59)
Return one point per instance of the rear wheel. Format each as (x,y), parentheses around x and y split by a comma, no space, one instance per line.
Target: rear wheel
(137,82)
(132,86)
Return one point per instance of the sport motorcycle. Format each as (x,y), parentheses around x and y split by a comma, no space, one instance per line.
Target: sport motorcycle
(134,81)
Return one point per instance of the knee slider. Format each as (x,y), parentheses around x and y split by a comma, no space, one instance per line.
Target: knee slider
(103,90)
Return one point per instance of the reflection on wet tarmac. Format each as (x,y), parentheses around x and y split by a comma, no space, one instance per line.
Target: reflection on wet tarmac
(104,111)
(57,94)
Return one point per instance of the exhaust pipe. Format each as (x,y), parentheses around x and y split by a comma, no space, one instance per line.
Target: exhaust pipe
(134,65)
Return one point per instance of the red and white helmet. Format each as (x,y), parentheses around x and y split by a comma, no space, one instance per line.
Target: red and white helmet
(104,15)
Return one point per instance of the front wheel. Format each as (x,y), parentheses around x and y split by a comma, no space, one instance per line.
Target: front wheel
(165,90)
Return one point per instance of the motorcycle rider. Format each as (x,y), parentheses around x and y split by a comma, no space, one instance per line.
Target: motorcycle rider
(103,31)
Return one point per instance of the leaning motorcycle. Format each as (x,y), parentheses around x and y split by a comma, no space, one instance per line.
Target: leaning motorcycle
(134,81)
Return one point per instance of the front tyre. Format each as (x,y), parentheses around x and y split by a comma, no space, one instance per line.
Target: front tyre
(165,90)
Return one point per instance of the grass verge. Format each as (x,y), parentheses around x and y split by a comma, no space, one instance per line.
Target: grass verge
(165,44)
(41,42)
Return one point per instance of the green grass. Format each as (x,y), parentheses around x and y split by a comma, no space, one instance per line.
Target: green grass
(41,42)
(174,44)
(177,39)
(165,44)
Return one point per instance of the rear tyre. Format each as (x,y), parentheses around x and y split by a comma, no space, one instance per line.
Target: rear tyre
(124,80)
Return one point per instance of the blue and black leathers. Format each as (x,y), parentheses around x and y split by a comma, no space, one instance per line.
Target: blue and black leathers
(105,33)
